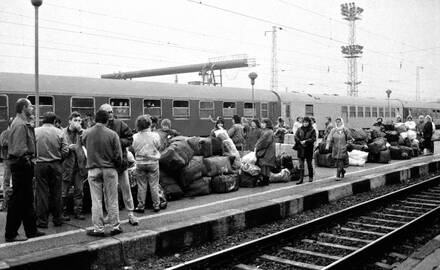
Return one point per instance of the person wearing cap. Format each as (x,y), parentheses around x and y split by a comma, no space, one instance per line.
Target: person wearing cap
(339,138)
(305,138)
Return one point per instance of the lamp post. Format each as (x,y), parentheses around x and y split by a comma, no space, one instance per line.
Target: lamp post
(253,76)
(388,91)
(36,4)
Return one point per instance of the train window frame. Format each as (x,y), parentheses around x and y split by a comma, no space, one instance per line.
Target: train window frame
(307,109)
(115,107)
(247,110)
(40,96)
(181,116)
(360,113)
(367,112)
(266,111)
(6,106)
(381,112)
(144,107)
(234,109)
(71,105)
(374,112)
(351,112)
(212,109)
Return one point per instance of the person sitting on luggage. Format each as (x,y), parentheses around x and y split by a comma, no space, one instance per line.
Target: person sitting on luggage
(339,138)
(280,130)
(265,150)
(236,132)
(305,138)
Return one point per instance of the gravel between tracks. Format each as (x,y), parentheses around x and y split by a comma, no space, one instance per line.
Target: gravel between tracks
(155,262)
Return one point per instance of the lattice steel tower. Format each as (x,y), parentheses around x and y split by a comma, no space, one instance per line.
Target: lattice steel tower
(352,52)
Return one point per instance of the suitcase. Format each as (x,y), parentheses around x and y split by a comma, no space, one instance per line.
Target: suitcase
(199,187)
(225,183)
(247,180)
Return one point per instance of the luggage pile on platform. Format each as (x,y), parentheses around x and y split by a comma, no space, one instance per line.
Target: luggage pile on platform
(404,142)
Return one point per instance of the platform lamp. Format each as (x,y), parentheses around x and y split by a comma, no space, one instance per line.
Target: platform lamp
(36,4)
(388,91)
(253,76)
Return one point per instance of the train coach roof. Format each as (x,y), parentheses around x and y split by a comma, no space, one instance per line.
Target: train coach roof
(335,99)
(82,86)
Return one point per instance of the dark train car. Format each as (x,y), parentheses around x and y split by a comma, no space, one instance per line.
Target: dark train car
(188,106)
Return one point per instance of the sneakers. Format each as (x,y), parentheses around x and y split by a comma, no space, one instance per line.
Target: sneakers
(115,231)
(36,234)
(17,238)
(133,220)
(95,233)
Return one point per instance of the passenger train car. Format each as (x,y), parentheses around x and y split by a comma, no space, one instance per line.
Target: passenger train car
(189,106)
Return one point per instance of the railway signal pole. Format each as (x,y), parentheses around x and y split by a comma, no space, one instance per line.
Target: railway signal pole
(418,68)
(253,76)
(36,4)
(351,13)
(274,62)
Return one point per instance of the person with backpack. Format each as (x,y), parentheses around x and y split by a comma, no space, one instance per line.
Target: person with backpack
(305,138)
(339,138)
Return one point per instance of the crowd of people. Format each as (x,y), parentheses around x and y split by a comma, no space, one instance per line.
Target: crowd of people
(49,162)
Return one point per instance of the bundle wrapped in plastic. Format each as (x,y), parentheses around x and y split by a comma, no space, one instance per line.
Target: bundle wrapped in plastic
(249,158)
(250,169)
(281,177)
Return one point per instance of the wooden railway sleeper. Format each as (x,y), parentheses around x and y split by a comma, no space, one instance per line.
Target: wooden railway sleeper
(290,262)
(309,241)
(312,253)
(372,225)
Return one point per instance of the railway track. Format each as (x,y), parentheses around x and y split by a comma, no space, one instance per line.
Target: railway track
(337,241)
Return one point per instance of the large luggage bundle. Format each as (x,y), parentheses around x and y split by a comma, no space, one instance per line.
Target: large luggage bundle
(170,187)
(194,143)
(211,147)
(199,187)
(170,160)
(247,180)
(400,128)
(231,150)
(358,134)
(392,136)
(193,171)
(217,165)
(225,183)
(378,144)
(281,177)
(359,145)
(401,152)
(375,133)
(382,157)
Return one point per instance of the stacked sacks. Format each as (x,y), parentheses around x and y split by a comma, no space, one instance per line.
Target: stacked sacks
(171,189)
(360,139)
(378,150)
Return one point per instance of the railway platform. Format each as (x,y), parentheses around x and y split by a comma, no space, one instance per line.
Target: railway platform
(191,221)
(426,257)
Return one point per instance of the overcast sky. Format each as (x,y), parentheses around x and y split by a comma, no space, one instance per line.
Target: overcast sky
(90,38)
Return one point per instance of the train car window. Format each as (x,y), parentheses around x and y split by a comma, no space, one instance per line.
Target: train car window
(381,112)
(249,111)
(352,111)
(265,110)
(229,109)
(344,112)
(206,109)
(374,113)
(47,104)
(4,112)
(153,107)
(360,112)
(309,110)
(181,109)
(393,112)
(121,107)
(367,111)
(85,106)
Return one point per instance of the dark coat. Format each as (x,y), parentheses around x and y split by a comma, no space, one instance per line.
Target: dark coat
(125,138)
(252,137)
(307,134)
(265,149)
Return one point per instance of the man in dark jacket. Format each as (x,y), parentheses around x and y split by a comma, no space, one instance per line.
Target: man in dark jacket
(126,139)
(104,155)
(21,151)
(305,138)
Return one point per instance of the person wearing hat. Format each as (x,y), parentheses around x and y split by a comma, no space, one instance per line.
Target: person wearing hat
(305,138)
(339,138)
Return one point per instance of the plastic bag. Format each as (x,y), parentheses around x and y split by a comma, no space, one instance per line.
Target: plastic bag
(249,158)
(250,169)
(281,177)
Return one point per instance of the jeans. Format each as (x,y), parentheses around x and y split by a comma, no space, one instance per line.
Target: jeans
(6,183)
(104,186)
(21,202)
(48,191)
(124,185)
(148,174)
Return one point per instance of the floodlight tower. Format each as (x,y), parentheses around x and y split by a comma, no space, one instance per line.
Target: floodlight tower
(351,13)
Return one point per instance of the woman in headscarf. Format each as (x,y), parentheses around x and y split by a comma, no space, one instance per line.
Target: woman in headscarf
(265,150)
(428,130)
(305,138)
(339,138)
(253,134)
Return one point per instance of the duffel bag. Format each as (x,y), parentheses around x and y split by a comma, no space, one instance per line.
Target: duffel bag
(281,177)
(384,156)
(183,149)
(225,183)
(326,160)
(194,143)
(247,180)
(170,160)
(217,165)
(199,187)
(399,152)
(379,144)
(194,170)
(172,192)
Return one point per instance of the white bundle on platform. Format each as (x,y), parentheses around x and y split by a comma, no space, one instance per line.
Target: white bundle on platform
(357,158)
(249,158)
